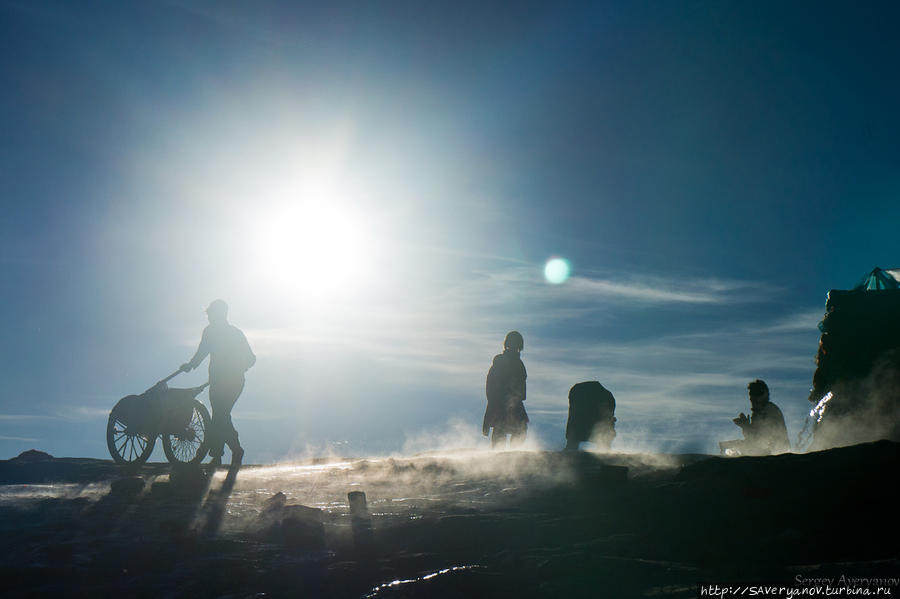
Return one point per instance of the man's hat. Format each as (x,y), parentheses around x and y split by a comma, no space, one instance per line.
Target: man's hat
(218,307)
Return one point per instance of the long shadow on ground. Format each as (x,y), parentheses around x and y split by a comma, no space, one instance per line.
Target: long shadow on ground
(612,526)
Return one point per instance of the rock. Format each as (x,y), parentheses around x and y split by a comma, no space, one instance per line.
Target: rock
(358,508)
(275,502)
(161,488)
(303,528)
(303,513)
(297,527)
(33,455)
(188,478)
(126,487)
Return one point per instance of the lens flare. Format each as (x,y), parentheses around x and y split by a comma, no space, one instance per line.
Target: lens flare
(557,270)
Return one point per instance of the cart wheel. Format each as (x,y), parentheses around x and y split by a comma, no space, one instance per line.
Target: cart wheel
(189,446)
(127,446)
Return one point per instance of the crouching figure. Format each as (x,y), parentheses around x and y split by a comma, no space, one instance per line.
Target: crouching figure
(592,416)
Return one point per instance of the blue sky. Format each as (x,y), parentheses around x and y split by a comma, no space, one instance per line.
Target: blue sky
(375,190)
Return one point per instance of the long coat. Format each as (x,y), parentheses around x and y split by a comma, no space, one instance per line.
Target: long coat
(505,390)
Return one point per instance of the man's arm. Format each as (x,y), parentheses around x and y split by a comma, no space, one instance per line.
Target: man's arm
(490,392)
(517,382)
(251,357)
(199,356)
(750,430)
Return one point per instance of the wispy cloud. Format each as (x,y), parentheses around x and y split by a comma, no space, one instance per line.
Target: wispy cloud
(242,24)
(20,417)
(25,439)
(660,290)
(804,321)
(446,340)
(440,332)
(83,413)
(66,413)
(525,285)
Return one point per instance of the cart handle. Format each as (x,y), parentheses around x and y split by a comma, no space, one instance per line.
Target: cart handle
(176,373)
(171,376)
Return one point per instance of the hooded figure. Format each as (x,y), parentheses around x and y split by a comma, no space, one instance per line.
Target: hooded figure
(505,390)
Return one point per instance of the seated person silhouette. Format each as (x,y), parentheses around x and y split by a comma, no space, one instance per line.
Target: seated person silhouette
(764,431)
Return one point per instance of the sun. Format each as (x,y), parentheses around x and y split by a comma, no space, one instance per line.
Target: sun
(313,250)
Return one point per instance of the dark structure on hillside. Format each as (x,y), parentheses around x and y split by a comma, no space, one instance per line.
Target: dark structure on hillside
(856,385)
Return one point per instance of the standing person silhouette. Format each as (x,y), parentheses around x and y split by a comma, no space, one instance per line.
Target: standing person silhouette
(505,389)
(229,358)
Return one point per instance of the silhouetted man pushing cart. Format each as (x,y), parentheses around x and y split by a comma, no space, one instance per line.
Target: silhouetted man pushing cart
(229,358)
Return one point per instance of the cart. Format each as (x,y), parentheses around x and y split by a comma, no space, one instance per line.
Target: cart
(174,414)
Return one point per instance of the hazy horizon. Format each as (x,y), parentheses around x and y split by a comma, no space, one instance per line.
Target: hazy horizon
(376,190)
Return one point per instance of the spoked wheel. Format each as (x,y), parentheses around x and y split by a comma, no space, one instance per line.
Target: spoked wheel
(127,445)
(189,446)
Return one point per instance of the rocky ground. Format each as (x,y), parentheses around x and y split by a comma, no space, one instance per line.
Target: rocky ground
(523,524)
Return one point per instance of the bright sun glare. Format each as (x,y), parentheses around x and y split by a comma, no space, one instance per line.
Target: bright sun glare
(314,250)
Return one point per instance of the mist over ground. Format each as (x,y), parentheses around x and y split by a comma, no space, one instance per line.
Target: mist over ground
(445,523)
